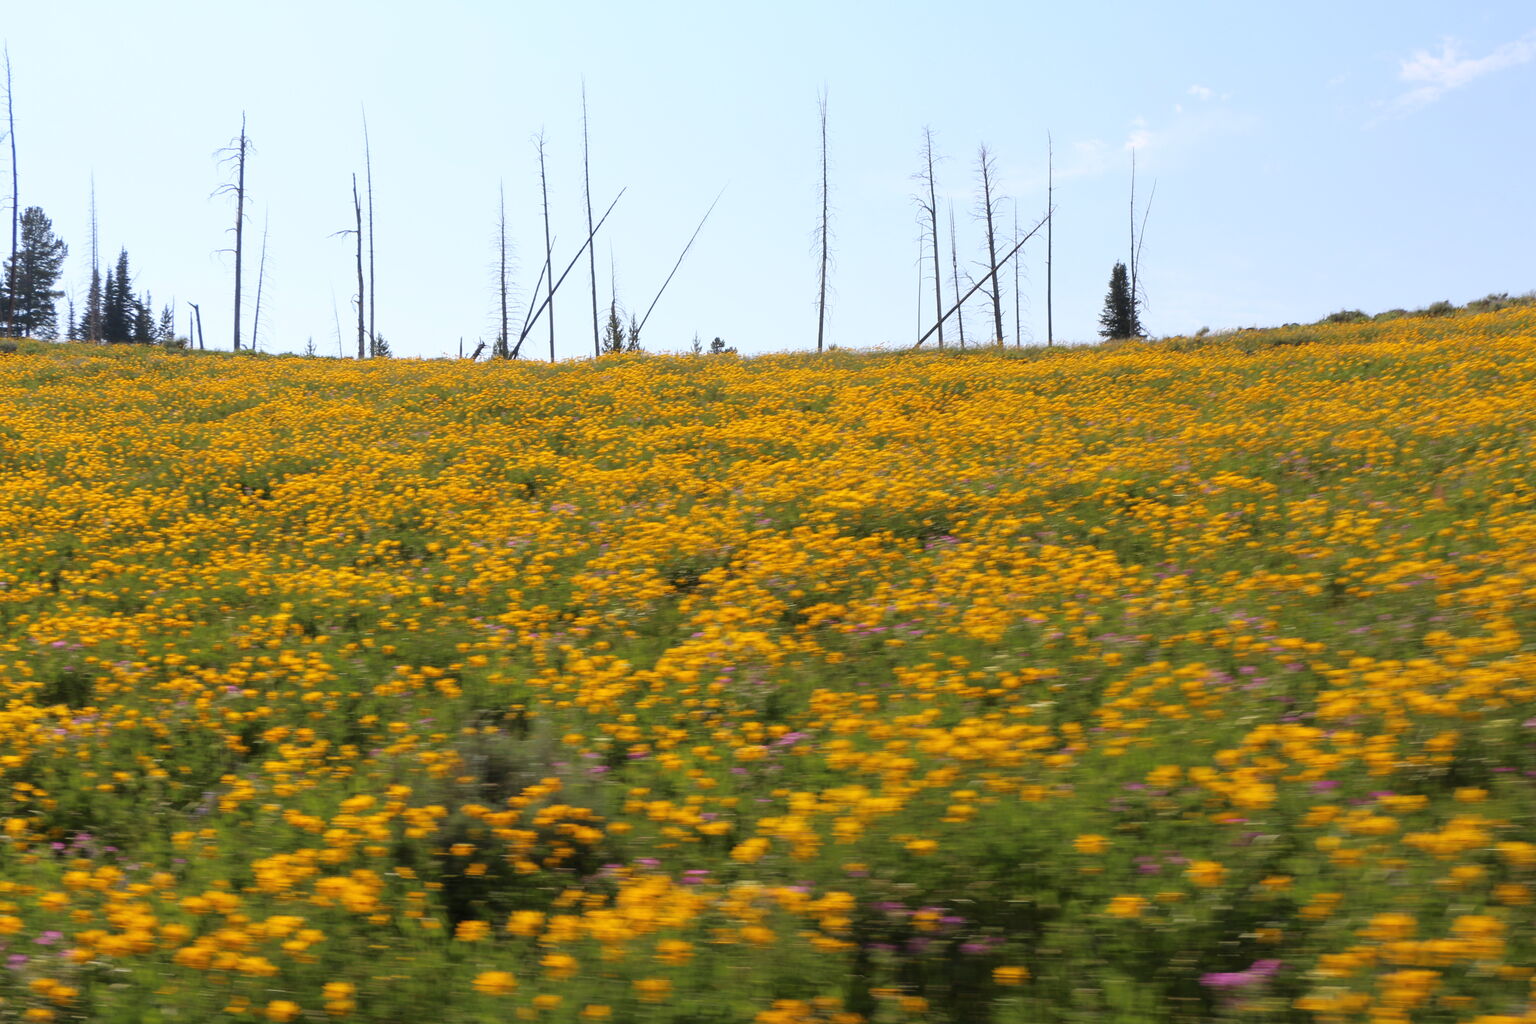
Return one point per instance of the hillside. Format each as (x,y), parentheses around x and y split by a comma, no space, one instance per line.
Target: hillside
(1169,681)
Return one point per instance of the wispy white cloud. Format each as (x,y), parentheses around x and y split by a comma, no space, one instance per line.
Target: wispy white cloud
(1200,92)
(1159,140)
(1435,74)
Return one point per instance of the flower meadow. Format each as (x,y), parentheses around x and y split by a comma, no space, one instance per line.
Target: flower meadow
(1186,681)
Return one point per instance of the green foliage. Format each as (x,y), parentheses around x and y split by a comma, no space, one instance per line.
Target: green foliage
(1119,318)
(30,283)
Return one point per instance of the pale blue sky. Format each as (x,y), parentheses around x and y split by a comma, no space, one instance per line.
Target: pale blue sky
(1307,156)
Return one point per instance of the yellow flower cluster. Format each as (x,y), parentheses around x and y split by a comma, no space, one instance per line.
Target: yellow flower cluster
(867,686)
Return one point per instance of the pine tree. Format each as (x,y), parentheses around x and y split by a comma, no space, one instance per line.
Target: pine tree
(118,313)
(28,287)
(1119,318)
(632,340)
(143,321)
(166,334)
(92,315)
(613,333)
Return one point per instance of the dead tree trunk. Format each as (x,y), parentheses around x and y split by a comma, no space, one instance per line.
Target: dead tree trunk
(1050,220)
(93,299)
(975,287)
(533,317)
(691,239)
(357,208)
(239,229)
(988,210)
(954,266)
(236,152)
(373,337)
(1137,302)
(10,119)
(549,250)
(261,278)
(823,234)
(1133,239)
(503,340)
(586,188)
(197,314)
(931,208)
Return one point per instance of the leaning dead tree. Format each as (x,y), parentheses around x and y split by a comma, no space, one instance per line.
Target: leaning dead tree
(976,287)
(930,210)
(197,313)
(986,166)
(261,278)
(533,317)
(236,153)
(823,234)
(549,249)
(691,239)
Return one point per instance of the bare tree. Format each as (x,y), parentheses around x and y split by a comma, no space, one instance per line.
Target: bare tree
(931,210)
(236,153)
(1137,240)
(823,235)
(549,249)
(362,296)
(954,266)
(1050,220)
(987,166)
(503,345)
(261,277)
(533,317)
(341,348)
(1132,260)
(357,209)
(586,188)
(10,121)
(94,297)
(976,287)
(373,293)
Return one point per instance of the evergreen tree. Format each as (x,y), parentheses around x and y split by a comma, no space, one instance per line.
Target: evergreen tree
(613,334)
(166,334)
(143,321)
(118,312)
(1119,319)
(114,327)
(89,328)
(378,348)
(30,282)
(632,341)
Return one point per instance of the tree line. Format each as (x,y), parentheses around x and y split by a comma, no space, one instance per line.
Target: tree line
(113,313)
